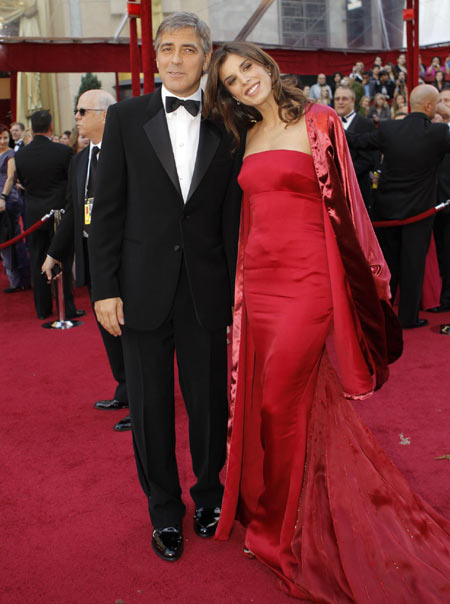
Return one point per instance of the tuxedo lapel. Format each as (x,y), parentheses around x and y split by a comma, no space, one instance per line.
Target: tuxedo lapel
(158,134)
(207,146)
(81,170)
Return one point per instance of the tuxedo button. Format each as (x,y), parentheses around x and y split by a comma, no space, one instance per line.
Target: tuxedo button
(177,248)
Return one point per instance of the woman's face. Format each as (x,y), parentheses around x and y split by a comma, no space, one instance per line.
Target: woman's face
(4,140)
(65,140)
(439,76)
(379,100)
(82,141)
(400,100)
(337,78)
(247,81)
(365,102)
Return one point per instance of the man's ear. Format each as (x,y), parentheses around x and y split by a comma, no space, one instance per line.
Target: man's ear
(206,61)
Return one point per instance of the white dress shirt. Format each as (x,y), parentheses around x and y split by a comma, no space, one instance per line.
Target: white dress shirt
(184,131)
(91,146)
(348,119)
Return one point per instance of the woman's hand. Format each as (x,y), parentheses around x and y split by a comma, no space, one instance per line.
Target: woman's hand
(2,205)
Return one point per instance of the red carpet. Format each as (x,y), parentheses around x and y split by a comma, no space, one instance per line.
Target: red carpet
(73,520)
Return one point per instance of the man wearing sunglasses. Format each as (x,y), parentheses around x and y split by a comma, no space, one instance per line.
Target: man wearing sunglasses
(90,116)
(42,169)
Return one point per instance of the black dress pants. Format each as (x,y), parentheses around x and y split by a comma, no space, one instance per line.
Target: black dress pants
(39,243)
(113,346)
(202,366)
(405,249)
(442,235)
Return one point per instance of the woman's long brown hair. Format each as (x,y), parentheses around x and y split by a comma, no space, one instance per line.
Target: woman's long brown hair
(220,105)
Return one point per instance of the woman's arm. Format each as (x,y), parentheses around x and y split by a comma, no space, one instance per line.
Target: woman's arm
(9,182)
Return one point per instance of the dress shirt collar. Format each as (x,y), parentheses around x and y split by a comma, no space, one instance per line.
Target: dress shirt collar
(197,96)
(92,145)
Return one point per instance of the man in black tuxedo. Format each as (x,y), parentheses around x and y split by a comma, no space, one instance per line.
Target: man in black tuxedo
(363,160)
(16,130)
(42,168)
(74,228)
(412,149)
(442,222)
(162,252)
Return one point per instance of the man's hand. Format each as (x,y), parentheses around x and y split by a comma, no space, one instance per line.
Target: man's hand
(443,110)
(110,315)
(46,268)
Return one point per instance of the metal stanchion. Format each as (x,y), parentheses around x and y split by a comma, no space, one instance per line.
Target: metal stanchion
(61,323)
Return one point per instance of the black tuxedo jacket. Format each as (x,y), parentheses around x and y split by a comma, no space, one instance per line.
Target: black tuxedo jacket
(70,231)
(42,168)
(363,160)
(142,230)
(412,149)
(443,181)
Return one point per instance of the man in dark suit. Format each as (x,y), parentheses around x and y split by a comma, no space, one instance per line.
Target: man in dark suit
(16,130)
(42,168)
(74,228)
(163,252)
(412,149)
(363,161)
(442,222)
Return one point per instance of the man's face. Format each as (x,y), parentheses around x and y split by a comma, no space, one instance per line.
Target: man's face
(16,132)
(365,78)
(384,78)
(444,97)
(181,62)
(343,102)
(360,66)
(91,124)
(321,79)
(376,70)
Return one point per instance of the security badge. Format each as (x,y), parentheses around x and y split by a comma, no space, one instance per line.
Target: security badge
(88,209)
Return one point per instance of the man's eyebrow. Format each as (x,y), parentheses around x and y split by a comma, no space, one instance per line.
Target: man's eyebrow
(187,45)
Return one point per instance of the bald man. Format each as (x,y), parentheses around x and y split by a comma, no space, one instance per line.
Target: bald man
(90,116)
(412,149)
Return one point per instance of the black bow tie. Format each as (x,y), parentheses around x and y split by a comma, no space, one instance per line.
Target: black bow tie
(172,104)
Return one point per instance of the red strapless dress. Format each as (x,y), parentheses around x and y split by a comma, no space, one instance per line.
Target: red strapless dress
(323,505)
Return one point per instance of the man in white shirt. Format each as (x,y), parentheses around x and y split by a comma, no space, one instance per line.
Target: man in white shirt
(315,92)
(17,129)
(162,255)
(73,231)
(363,161)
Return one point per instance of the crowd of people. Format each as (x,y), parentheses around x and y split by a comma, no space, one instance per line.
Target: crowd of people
(380,91)
(189,211)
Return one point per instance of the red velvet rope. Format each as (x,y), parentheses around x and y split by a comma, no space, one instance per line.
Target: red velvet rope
(32,228)
(411,219)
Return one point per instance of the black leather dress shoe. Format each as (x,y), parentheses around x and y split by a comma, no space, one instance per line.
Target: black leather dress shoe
(418,323)
(76,314)
(442,308)
(168,543)
(44,316)
(14,290)
(206,521)
(110,405)
(123,425)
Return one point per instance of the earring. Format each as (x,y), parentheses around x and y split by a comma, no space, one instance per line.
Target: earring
(237,102)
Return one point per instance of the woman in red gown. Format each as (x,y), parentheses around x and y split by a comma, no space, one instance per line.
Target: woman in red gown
(322,504)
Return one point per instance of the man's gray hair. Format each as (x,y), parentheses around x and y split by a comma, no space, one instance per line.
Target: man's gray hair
(105,99)
(181,20)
